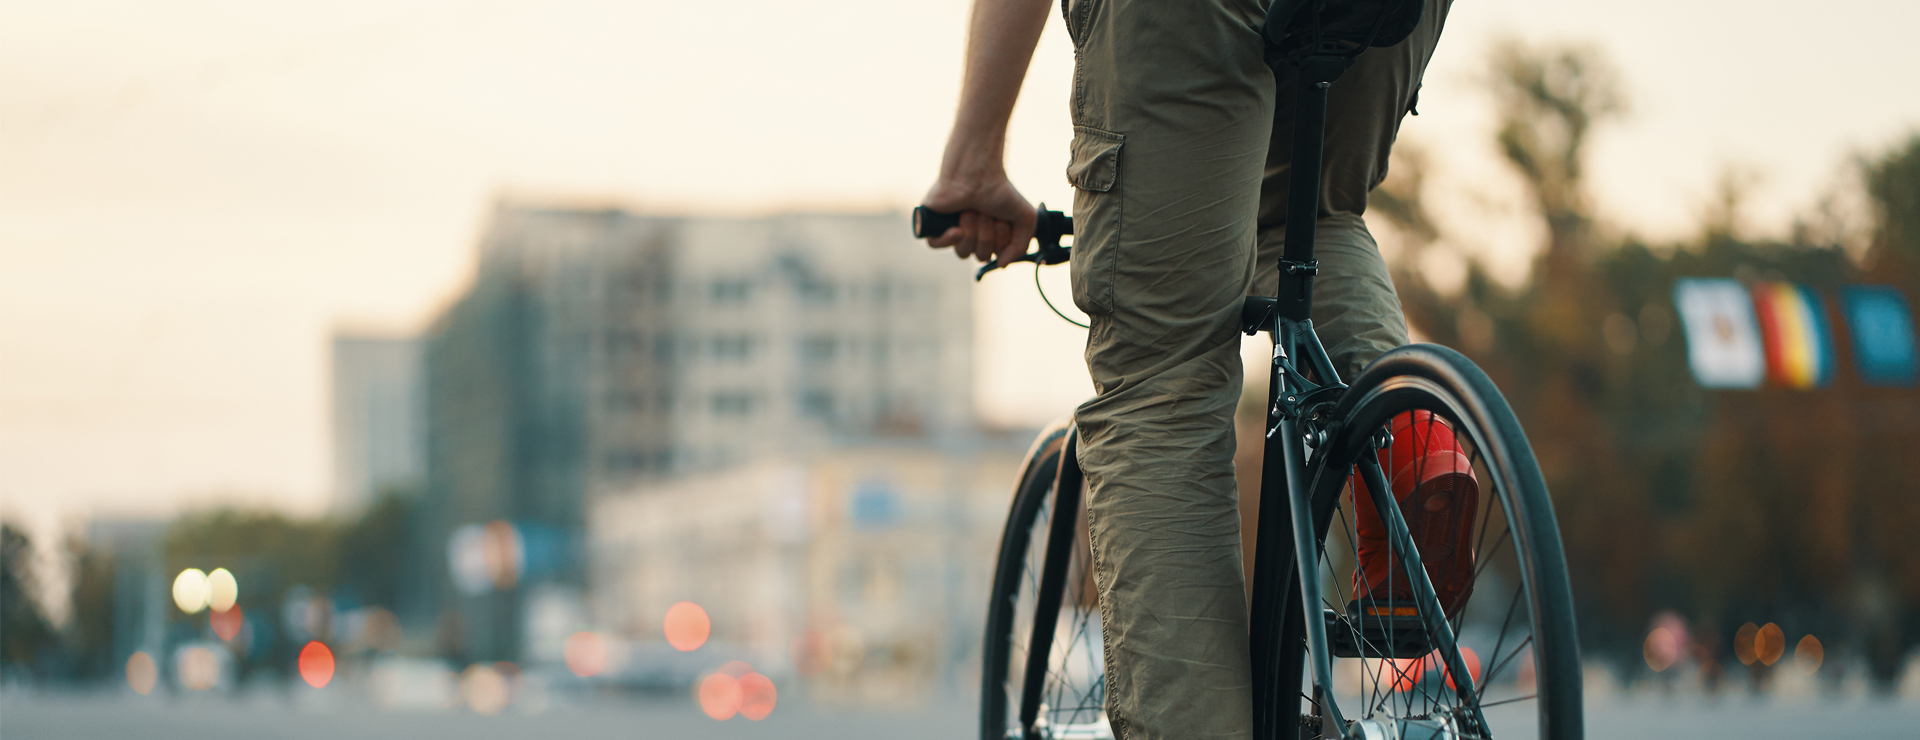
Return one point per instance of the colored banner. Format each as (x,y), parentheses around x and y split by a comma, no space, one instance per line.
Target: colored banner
(1882,327)
(1724,348)
(1795,332)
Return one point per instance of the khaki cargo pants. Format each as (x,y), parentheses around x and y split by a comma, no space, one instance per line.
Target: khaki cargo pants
(1180,166)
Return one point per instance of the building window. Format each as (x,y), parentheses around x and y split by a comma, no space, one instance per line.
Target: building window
(818,292)
(817,404)
(627,461)
(733,348)
(626,402)
(818,348)
(731,291)
(626,343)
(733,403)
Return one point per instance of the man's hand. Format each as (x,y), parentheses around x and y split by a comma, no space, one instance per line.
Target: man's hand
(995,220)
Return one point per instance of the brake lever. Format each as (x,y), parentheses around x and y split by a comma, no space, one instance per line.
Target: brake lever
(994,264)
(1048,227)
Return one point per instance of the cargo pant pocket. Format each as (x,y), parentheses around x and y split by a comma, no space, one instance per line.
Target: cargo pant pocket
(1095,173)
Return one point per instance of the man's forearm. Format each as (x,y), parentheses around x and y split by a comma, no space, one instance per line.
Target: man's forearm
(1001,35)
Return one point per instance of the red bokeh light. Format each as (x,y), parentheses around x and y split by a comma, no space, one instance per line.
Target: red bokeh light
(586,654)
(720,696)
(687,626)
(1403,674)
(316,664)
(757,696)
(1436,663)
(811,653)
(226,624)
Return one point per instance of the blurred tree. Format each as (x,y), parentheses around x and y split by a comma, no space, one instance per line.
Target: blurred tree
(352,564)
(1548,100)
(1547,340)
(90,636)
(1401,198)
(373,551)
(1893,185)
(269,555)
(27,641)
(1772,505)
(1887,605)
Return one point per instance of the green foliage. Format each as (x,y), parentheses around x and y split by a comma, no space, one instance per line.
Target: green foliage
(1893,184)
(90,636)
(353,563)
(26,639)
(270,553)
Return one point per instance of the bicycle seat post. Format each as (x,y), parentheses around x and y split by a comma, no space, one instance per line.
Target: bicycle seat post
(1297,265)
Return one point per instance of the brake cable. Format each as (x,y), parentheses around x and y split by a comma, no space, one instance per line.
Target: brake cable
(1043,297)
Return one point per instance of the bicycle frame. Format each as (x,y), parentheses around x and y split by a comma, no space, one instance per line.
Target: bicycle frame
(1293,403)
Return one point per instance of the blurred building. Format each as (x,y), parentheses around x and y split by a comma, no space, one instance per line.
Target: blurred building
(862,568)
(601,351)
(140,597)
(379,435)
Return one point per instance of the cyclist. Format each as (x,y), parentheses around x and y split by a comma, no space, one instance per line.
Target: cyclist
(1180,162)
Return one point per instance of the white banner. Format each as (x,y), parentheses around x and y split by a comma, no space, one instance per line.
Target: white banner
(1723,340)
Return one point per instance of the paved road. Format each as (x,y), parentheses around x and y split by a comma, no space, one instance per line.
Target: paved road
(128,717)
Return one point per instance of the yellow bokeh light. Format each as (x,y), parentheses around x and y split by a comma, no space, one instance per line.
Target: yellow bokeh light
(1808,655)
(222,589)
(1743,643)
(1769,644)
(142,673)
(190,591)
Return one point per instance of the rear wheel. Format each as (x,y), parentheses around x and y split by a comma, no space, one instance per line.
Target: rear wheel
(1043,674)
(1513,626)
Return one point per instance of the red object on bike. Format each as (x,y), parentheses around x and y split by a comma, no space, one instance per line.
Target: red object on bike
(1432,480)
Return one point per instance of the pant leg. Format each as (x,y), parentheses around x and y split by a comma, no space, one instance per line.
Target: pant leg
(1172,110)
(1355,309)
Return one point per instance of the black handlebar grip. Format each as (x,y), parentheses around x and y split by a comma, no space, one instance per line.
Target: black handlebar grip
(929,223)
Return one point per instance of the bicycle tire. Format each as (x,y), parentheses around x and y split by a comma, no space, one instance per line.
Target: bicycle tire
(1421,690)
(1070,698)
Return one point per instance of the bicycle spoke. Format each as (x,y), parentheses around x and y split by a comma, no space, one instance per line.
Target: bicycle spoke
(1509,701)
(1517,649)
(1487,677)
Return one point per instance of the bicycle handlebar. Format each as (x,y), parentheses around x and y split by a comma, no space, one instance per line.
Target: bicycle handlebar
(1047,229)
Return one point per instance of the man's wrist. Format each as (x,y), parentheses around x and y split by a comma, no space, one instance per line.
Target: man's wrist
(974,160)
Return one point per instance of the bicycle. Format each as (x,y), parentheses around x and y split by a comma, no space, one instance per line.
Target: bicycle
(1362,673)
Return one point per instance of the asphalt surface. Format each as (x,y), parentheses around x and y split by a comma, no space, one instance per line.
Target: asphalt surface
(122,715)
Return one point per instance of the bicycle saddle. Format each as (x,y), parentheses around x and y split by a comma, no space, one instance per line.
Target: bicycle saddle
(1343,27)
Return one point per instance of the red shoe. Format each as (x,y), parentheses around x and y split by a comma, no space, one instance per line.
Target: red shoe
(1438,495)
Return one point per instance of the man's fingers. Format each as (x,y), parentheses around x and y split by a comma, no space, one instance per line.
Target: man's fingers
(1012,252)
(1003,241)
(969,235)
(946,238)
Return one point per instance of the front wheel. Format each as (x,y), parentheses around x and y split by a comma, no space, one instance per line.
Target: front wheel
(1042,670)
(1508,605)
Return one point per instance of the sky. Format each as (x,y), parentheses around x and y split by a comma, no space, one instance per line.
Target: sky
(195,193)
